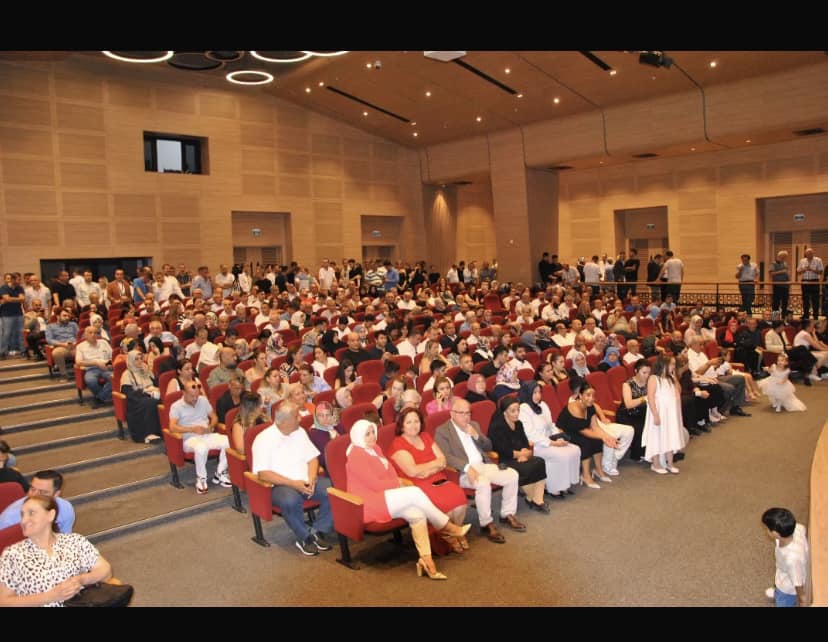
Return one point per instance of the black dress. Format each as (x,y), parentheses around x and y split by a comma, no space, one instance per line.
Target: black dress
(505,441)
(574,425)
(141,412)
(634,417)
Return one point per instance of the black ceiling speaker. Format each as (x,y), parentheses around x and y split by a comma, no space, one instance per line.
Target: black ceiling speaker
(655,59)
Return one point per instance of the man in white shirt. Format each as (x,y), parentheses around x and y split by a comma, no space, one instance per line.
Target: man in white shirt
(223,281)
(76,280)
(327,275)
(284,456)
(732,387)
(464,446)
(407,302)
(245,282)
(673,269)
(96,356)
(408,346)
(36,290)
(170,285)
(810,271)
(208,352)
(592,275)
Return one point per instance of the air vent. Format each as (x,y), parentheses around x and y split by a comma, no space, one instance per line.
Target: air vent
(645,155)
(559,167)
(813,131)
(444,56)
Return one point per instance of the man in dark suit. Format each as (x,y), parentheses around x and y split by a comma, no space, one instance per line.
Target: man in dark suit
(465,447)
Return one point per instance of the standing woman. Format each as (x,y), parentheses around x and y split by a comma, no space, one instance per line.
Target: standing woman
(633,410)
(663,429)
(142,398)
(515,451)
(562,458)
(47,568)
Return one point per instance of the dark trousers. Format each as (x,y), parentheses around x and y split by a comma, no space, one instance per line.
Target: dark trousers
(810,299)
(780,297)
(748,292)
(674,289)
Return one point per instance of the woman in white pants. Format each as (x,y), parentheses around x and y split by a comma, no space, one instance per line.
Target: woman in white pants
(563,459)
(373,478)
(623,434)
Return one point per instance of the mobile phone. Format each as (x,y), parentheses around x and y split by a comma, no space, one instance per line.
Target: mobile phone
(439,482)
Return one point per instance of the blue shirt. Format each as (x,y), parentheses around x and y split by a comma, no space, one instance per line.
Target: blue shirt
(65,516)
(392,278)
(59,333)
(139,285)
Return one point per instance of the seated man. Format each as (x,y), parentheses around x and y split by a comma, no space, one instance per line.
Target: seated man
(193,418)
(227,370)
(732,387)
(48,483)
(96,356)
(465,448)
(62,336)
(284,456)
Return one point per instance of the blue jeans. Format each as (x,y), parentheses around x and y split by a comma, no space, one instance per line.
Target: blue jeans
(291,501)
(102,392)
(11,334)
(783,599)
(748,292)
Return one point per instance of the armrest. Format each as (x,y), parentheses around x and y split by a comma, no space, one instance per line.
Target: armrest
(173,435)
(348,513)
(175,446)
(356,500)
(405,482)
(258,482)
(493,456)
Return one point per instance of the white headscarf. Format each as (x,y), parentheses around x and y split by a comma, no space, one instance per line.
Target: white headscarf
(358,431)
(581,369)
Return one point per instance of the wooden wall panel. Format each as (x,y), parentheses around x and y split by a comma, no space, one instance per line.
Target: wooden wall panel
(697,200)
(288,115)
(385,192)
(134,206)
(79,117)
(258,111)
(294,186)
(740,173)
(385,172)
(176,100)
(356,148)
(258,184)
(86,233)
(358,169)
(257,160)
(218,105)
(85,204)
(384,151)
(30,203)
(83,175)
(133,96)
(17,171)
(31,142)
(23,80)
(451,161)
(78,88)
(257,135)
(180,206)
(784,168)
(21,232)
(294,163)
(357,190)
(326,166)
(182,232)
(294,139)
(25,111)
(82,146)
(327,188)
(326,145)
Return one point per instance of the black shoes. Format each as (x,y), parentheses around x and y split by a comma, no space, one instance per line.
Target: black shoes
(321,542)
(308,547)
(737,410)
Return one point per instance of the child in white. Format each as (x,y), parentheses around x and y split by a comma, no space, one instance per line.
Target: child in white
(664,432)
(792,555)
(779,388)
(752,391)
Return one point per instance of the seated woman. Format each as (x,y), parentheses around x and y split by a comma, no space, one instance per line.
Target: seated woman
(184,374)
(432,352)
(515,450)
(47,568)
(258,369)
(275,347)
(326,427)
(321,361)
(559,371)
(297,394)
(292,362)
(142,399)
(346,376)
(229,400)
(393,389)
(579,369)
(580,421)
(442,396)
(563,460)
(461,347)
(344,399)
(372,478)
(250,414)
(545,375)
(633,409)
(420,460)
(612,358)
(506,380)
(273,389)
(476,389)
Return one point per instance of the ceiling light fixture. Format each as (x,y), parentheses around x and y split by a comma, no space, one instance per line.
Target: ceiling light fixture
(111,54)
(655,59)
(264,77)
(428,94)
(507,70)
(325,54)
(613,72)
(304,56)
(415,134)
(556,100)
(479,119)
(713,64)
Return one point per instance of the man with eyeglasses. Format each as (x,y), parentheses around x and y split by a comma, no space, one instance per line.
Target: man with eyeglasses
(193,418)
(47,483)
(465,447)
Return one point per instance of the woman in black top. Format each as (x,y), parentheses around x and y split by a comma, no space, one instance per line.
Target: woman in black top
(515,451)
(633,408)
(580,421)
(476,389)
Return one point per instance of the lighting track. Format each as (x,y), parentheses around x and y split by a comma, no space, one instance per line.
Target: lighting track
(486,77)
(345,94)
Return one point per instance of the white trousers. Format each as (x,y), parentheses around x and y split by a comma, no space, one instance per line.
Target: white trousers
(624,434)
(413,505)
(201,445)
(489,474)
(563,465)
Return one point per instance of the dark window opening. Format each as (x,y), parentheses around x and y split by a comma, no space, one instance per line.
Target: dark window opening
(174,154)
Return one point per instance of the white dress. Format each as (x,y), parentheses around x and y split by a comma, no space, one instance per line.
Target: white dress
(780,390)
(563,463)
(670,435)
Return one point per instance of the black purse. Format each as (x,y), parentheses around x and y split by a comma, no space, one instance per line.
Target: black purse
(103,594)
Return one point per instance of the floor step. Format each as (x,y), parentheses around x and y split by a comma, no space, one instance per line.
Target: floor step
(93,484)
(16,365)
(126,512)
(85,455)
(15,388)
(36,400)
(15,376)
(29,440)
(43,417)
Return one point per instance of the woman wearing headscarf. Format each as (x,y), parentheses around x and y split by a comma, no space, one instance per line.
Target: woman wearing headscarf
(374,480)
(579,368)
(476,389)
(325,428)
(515,450)
(612,358)
(563,459)
(528,339)
(142,398)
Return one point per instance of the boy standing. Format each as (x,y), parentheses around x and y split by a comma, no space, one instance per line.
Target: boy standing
(792,557)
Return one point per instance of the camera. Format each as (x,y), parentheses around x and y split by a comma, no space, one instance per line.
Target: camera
(237,269)
(378,64)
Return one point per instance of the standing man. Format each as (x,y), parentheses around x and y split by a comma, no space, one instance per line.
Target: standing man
(224,281)
(748,275)
(631,266)
(11,316)
(87,287)
(810,271)
(119,290)
(203,282)
(544,269)
(653,275)
(62,289)
(184,279)
(327,276)
(780,275)
(673,271)
(36,290)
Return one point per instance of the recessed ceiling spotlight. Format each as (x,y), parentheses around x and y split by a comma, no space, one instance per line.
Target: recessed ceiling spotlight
(652,77)
(307,90)
(507,70)
(613,72)
(428,94)
(748,140)
(413,123)
(321,84)
(479,119)
(692,149)
(365,113)
(713,64)
(520,96)
(556,100)
(415,134)
(600,162)
(369,65)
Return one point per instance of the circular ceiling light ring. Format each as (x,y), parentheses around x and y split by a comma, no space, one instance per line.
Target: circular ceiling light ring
(303,56)
(194,61)
(266,78)
(115,56)
(224,56)
(326,54)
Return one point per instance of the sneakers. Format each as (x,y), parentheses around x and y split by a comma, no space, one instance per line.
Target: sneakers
(612,472)
(321,542)
(308,547)
(222,479)
(201,486)
(770,593)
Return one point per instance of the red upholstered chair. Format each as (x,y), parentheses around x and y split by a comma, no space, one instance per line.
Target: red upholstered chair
(404,361)
(564,392)
(603,396)
(630,367)
(329,375)
(545,354)
(288,336)
(194,358)
(160,361)
(524,374)
(164,380)
(118,398)
(371,371)
(460,389)
(436,420)
(245,365)
(204,374)
(11,534)
(237,467)
(347,508)
(491,382)
(9,492)
(711,349)
(175,442)
(339,353)
(247,331)
(615,378)
(365,392)
(258,492)
(533,358)
(387,412)
(550,396)
(481,412)
(229,419)
(478,367)
(325,395)
(645,326)
(80,384)
(421,380)
(215,393)
(353,413)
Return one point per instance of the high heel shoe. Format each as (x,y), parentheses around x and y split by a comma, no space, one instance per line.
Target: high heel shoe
(453,542)
(588,484)
(601,477)
(463,530)
(421,567)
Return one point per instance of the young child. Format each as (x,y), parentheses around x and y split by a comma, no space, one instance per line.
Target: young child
(752,391)
(779,388)
(792,557)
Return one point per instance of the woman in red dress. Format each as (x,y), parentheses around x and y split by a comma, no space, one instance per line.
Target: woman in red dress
(418,458)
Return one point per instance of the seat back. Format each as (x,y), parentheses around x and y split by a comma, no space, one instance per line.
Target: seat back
(329,375)
(460,390)
(550,396)
(11,534)
(365,392)
(216,392)
(646,326)
(533,358)
(481,412)
(9,492)
(371,371)
(164,408)
(230,419)
(335,458)
(204,374)
(160,361)
(164,381)
(249,437)
(564,392)
(353,413)
(387,413)
(325,395)
(615,378)
(436,420)
(603,396)
(385,437)
(404,361)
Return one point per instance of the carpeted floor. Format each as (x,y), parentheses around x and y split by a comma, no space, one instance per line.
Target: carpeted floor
(693,539)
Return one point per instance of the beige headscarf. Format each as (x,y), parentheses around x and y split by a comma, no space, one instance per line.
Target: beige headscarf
(358,431)
(139,375)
